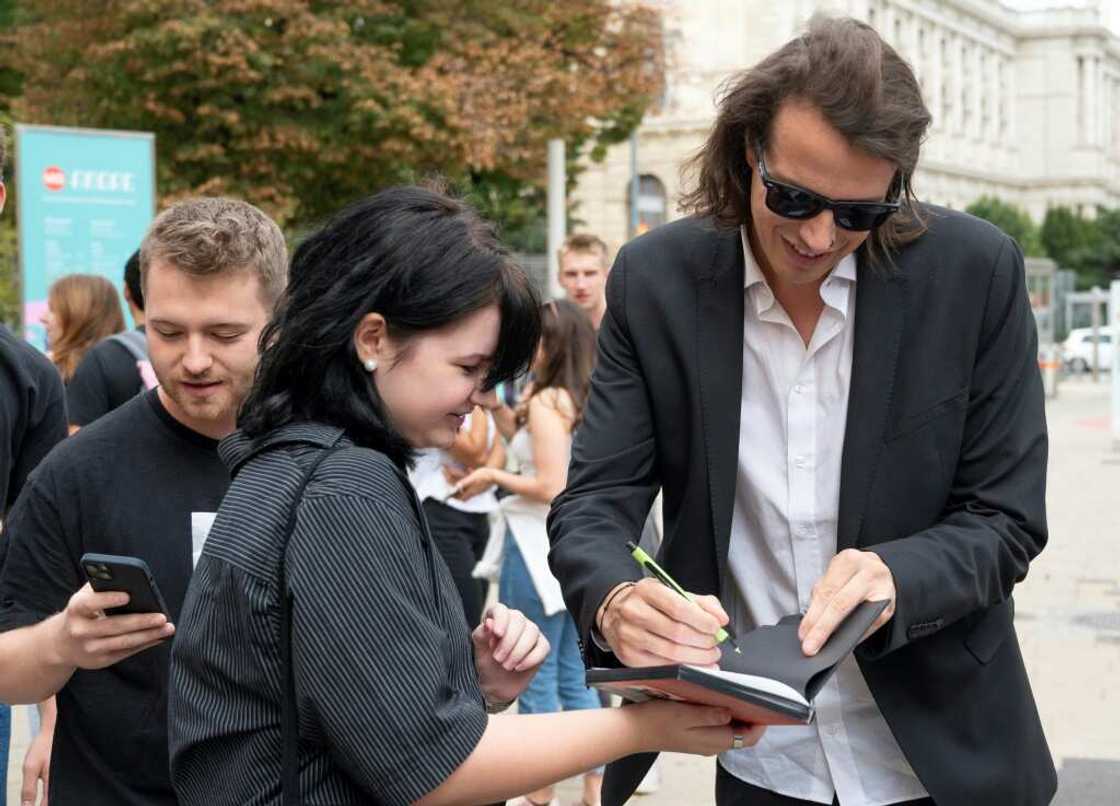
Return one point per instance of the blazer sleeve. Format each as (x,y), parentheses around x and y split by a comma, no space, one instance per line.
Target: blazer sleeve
(995,518)
(612,476)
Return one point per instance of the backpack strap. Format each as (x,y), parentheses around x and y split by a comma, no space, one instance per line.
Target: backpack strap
(134,341)
(290,794)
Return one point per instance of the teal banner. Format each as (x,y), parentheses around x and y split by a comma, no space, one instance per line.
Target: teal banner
(85,197)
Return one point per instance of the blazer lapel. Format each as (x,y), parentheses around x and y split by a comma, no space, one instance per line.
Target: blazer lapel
(719,318)
(880,314)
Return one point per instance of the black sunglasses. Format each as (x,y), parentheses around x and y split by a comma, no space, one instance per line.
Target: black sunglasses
(790,201)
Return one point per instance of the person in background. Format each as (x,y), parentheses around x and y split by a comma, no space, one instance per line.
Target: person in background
(547,415)
(82,309)
(583,267)
(401,312)
(460,528)
(583,276)
(139,482)
(111,372)
(117,368)
(32,422)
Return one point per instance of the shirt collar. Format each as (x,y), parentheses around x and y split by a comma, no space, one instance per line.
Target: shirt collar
(238,447)
(834,294)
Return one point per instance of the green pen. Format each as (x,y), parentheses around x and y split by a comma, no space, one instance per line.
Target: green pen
(648,564)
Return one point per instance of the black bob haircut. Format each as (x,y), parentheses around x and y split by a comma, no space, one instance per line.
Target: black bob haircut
(132,279)
(419,258)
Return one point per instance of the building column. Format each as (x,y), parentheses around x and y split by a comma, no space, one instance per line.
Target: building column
(937,74)
(1010,105)
(1091,94)
(956,84)
(978,88)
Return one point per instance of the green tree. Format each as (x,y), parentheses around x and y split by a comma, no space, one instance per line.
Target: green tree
(300,107)
(1011,219)
(1097,259)
(1064,233)
(9,255)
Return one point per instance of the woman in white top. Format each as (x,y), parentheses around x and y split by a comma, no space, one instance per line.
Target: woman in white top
(548,413)
(459,528)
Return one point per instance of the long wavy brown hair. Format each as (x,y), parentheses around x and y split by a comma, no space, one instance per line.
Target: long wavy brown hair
(862,87)
(568,345)
(87,310)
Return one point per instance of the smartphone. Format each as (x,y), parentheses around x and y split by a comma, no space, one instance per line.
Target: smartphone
(114,572)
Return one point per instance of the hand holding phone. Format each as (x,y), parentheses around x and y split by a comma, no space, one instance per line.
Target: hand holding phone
(86,635)
(131,575)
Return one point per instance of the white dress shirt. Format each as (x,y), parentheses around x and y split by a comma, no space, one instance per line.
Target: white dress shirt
(783,535)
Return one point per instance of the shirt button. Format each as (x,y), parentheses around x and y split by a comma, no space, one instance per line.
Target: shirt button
(798,389)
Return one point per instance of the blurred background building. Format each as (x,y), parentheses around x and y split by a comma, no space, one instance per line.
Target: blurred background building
(1025,103)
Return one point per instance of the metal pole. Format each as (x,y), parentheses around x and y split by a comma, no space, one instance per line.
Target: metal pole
(557,213)
(635,184)
(1114,318)
(1095,324)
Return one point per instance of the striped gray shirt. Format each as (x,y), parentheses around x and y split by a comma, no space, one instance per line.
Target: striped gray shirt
(389,702)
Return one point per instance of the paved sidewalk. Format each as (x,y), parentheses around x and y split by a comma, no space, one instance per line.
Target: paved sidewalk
(1067,615)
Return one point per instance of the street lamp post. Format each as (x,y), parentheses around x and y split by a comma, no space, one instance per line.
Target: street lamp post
(635,184)
(557,213)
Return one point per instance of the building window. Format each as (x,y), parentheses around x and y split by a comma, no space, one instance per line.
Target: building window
(653,205)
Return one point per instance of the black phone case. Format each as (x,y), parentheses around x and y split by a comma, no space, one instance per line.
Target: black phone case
(131,575)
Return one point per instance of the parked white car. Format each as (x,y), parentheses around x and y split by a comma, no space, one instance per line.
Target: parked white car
(1077,349)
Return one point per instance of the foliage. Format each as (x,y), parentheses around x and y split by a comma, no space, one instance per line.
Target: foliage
(1011,219)
(301,106)
(1064,233)
(1096,259)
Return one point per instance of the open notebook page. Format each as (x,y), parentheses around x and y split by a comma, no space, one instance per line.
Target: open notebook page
(764,684)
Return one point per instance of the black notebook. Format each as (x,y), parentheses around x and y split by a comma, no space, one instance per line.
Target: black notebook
(770,682)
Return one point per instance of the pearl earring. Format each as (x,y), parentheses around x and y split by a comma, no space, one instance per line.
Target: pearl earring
(370,365)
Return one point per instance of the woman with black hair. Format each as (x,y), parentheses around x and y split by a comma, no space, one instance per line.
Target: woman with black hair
(541,444)
(322,654)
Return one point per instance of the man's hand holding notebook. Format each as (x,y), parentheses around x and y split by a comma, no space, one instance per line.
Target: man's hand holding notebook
(770,681)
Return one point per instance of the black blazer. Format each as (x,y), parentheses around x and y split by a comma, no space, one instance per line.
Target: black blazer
(943,474)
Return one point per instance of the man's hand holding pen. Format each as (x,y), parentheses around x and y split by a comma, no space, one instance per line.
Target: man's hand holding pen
(648,624)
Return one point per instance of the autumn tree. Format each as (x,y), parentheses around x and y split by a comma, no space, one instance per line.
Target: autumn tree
(301,106)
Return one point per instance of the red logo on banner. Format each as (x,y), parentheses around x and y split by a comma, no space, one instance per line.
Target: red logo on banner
(53,177)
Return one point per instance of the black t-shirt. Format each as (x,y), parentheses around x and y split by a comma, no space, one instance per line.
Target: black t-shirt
(32,413)
(127,484)
(106,377)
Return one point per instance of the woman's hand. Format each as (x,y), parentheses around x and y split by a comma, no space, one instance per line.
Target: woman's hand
(508,650)
(454,474)
(474,483)
(678,727)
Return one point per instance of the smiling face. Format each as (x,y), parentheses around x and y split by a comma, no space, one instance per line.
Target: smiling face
(432,381)
(805,150)
(202,342)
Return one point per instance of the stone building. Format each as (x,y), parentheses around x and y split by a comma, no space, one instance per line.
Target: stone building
(1026,105)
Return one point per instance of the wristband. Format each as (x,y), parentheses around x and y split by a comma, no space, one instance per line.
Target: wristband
(614,594)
